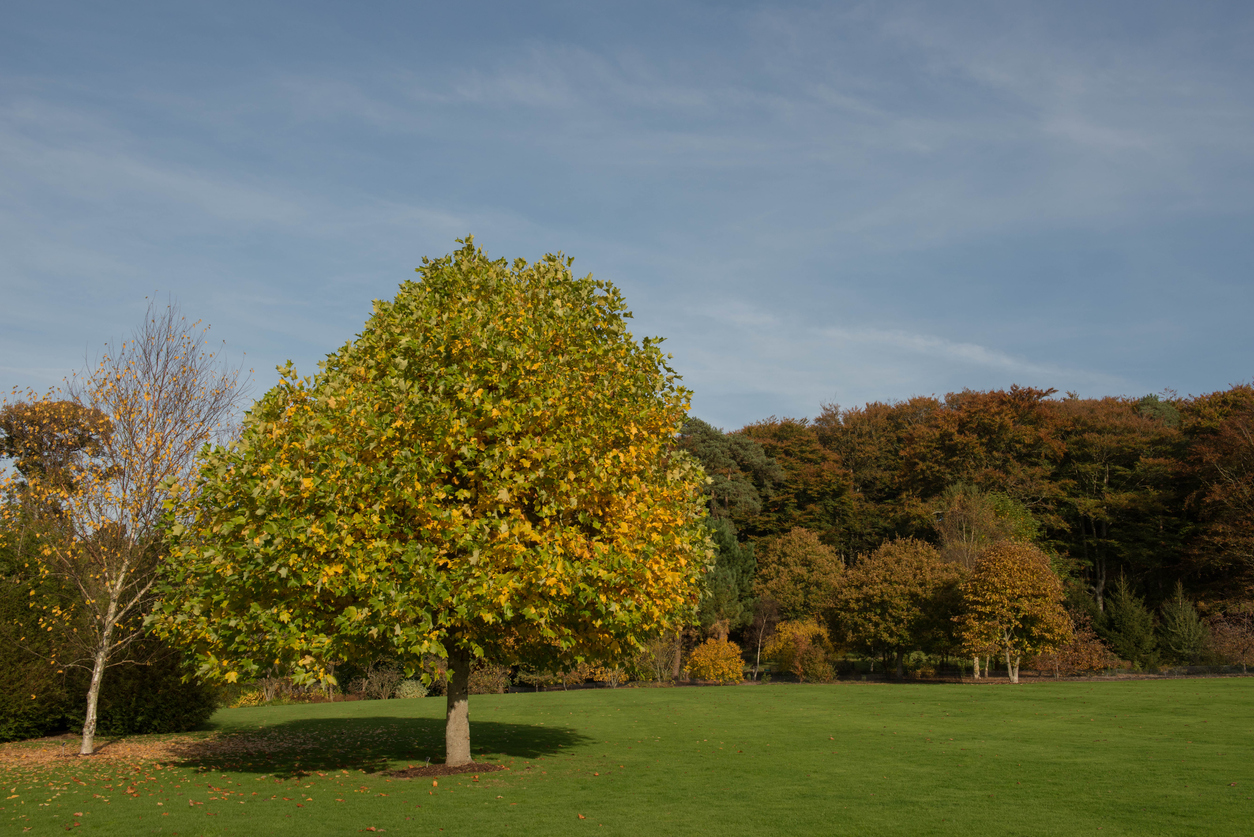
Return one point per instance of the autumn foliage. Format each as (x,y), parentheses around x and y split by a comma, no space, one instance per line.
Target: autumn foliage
(898,599)
(717,660)
(800,573)
(803,648)
(1012,605)
(486,470)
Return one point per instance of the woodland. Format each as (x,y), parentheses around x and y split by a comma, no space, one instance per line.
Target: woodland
(1144,508)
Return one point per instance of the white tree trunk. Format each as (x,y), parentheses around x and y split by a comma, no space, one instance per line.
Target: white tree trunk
(100,660)
(93,698)
(1012,663)
(977,667)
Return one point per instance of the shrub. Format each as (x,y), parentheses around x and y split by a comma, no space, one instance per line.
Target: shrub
(252,697)
(716,660)
(150,697)
(803,648)
(1234,639)
(539,678)
(34,696)
(409,689)
(488,679)
(612,676)
(657,659)
(378,683)
(143,693)
(1084,654)
(814,664)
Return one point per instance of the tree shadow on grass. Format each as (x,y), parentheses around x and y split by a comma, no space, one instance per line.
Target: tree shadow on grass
(298,748)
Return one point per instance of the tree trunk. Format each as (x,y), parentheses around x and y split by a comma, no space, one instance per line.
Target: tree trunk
(457,723)
(1099,567)
(757,660)
(977,667)
(900,663)
(93,698)
(101,660)
(679,654)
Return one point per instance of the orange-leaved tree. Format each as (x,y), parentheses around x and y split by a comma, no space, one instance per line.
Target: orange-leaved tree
(897,599)
(1012,603)
(95,471)
(488,470)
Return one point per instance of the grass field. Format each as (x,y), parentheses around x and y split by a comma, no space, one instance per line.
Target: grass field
(1103,758)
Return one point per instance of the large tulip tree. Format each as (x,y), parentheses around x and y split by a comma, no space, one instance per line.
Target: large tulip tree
(488,469)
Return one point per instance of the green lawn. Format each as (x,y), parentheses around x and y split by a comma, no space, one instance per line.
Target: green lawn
(1129,757)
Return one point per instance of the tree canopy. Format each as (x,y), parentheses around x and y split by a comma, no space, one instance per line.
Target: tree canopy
(488,469)
(897,599)
(1013,605)
(800,572)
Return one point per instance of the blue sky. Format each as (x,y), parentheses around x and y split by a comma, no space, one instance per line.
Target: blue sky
(813,202)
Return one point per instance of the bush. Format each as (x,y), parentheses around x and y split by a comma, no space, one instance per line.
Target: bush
(379,682)
(409,689)
(612,676)
(488,679)
(814,664)
(150,697)
(656,660)
(251,697)
(144,694)
(1234,639)
(35,697)
(1084,654)
(716,660)
(803,648)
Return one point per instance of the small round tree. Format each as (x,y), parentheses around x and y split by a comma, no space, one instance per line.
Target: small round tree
(1013,603)
(894,600)
(489,469)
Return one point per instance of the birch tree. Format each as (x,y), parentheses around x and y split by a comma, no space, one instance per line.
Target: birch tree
(139,415)
(1013,603)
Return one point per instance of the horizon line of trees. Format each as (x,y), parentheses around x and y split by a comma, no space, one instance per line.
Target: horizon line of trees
(1143,509)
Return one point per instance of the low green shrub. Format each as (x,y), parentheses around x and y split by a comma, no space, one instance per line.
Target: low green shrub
(409,689)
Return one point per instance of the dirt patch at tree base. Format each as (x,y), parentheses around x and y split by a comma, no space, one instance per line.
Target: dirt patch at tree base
(444,770)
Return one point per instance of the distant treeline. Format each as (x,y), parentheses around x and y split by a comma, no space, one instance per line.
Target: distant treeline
(1155,490)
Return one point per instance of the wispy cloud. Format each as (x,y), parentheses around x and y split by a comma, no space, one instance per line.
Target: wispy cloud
(904,198)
